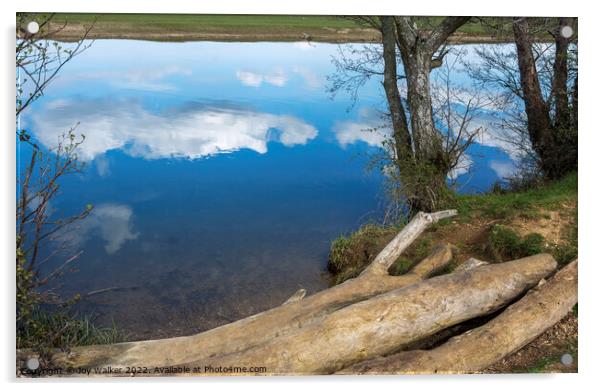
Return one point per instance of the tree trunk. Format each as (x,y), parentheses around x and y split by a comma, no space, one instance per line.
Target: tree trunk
(560,78)
(417,49)
(479,348)
(535,106)
(416,55)
(539,125)
(574,109)
(401,134)
(427,178)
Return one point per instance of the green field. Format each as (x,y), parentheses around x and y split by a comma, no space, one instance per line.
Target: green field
(251,27)
(196,22)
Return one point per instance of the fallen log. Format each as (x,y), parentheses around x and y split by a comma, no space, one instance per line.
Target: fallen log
(479,348)
(276,322)
(469,264)
(420,222)
(385,323)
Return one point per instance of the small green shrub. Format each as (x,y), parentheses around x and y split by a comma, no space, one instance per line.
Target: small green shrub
(531,244)
(350,254)
(567,251)
(417,252)
(401,266)
(505,244)
(564,253)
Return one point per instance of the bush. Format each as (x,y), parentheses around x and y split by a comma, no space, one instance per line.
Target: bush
(350,254)
(505,244)
(412,255)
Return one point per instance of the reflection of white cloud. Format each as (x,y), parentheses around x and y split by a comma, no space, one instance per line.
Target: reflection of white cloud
(112,222)
(348,132)
(254,79)
(495,136)
(249,78)
(276,78)
(368,129)
(191,132)
(312,80)
(137,79)
(102,165)
(464,164)
(502,169)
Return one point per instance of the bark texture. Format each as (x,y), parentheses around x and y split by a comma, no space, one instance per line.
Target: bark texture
(560,78)
(479,348)
(401,133)
(385,323)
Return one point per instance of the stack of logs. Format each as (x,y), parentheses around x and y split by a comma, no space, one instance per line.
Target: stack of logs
(375,323)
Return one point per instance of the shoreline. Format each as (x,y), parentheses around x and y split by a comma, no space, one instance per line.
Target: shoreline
(75,31)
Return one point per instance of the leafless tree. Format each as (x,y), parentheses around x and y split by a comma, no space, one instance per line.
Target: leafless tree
(423,152)
(38,263)
(539,78)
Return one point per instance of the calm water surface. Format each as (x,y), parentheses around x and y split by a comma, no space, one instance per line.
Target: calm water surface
(219,174)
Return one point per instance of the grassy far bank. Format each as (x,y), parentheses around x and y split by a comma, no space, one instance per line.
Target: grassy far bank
(493,227)
(236,27)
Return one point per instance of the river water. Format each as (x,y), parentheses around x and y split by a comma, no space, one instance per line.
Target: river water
(219,175)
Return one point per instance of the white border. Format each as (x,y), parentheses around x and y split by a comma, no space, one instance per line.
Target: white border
(589,174)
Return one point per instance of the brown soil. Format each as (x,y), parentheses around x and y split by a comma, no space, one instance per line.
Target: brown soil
(471,238)
(552,225)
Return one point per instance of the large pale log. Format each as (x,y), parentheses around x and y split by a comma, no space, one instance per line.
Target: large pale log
(479,348)
(279,321)
(385,323)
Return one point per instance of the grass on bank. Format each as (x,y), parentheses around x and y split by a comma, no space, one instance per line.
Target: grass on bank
(350,254)
(60,330)
(115,23)
(527,203)
(497,242)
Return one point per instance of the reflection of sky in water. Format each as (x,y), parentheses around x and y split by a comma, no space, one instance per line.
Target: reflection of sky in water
(220,172)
